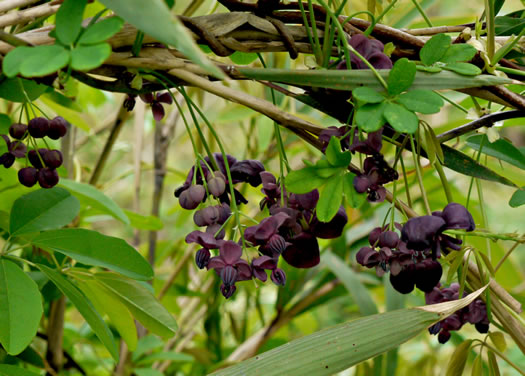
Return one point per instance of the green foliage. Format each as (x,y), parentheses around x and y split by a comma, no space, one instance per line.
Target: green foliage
(69,21)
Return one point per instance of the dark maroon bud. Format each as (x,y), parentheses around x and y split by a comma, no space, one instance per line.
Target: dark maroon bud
(434,329)
(228,275)
(388,239)
(224,213)
(53,158)
(332,229)
(482,327)
(361,183)
(202,257)
(199,219)
(38,127)
(214,229)
(129,102)
(443,336)
(210,215)
(427,275)
(367,257)
(18,131)
(197,193)
(28,176)
(228,291)
(404,281)
(57,128)
(7,159)
(458,217)
(164,98)
(216,186)
(157,110)
(303,252)
(420,233)
(47,178)
(186,201)
(34,157)
(373,237)
(278,277)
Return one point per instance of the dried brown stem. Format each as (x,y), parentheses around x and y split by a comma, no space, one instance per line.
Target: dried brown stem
(28,15)
(8,5)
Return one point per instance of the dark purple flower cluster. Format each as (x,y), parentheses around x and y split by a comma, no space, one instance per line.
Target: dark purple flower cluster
(411,258)
(44,162)
(371,50)
(291,230)
(475,313)
(155,101)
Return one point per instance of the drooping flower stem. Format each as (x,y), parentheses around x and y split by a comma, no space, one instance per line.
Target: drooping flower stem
(419,176)
(444,181)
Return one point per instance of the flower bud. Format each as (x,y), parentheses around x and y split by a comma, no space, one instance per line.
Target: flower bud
(18,131)
(278,277)
(216,186)
(202,257)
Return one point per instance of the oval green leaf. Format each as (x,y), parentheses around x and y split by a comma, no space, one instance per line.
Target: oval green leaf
(101,31)
(85,307)
(93,248)
(335,156)
(21,310)
(518,198)
(69,20)
(367,95)
(501,149)
(44,60)
(84,58)
(458,52)
(141,303)
(401,76)
(400,118)
(422,101)
(434,49)
(95,198)
(370,116)
(458,360)
(465,69)
(44,209)
(304,180)
(21,90)
(330,199)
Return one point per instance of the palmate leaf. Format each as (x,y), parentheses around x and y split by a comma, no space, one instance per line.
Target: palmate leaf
(351,79)
(340,347)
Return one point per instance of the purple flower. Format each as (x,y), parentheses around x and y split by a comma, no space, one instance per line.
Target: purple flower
(247,171)
(260,264)
(204,239)
(332,229)
(15,149)
(303,252)
(266,235)
(155,101)
(371,50)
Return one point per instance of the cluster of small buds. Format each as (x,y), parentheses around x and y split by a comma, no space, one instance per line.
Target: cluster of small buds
(475,313)
(411,257)
(43,162)
(291,230)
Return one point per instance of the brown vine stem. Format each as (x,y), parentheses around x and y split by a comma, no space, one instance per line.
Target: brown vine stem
(28,15)
(55,333)
(8,5)
(264,107)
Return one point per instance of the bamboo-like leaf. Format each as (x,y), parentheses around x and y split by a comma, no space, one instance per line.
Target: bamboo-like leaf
(457,362)
(350,79)
(340,347)
(498,339)
(493,364)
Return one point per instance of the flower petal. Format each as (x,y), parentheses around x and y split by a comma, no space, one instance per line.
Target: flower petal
(230,252)
(304,251)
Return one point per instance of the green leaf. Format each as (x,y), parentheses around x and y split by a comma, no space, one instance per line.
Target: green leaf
(462,163)
(434,49)
(147,372)
(501,149)
(505,25)
(142,304)
(458,52)
(85,307)
(335,156)
(101,31)
(117,312)
(93,248)
(429,69)
(243,58)
(84,58)
(342,346)
(498,339)
(44,60)
(400,118)
(324,169)
(351,79)
(401,76)
(95,198)
(44,209)
(172,356)
(353,198)
(370,116)
(352,283)
(422,101)
(21,311)
(367,95)
(304,180)
(330,199)
(35,61)
(518,198)
(13,90)
(463,68)
(144,222)
(457,362)
(477,366)
(10,370)
(154,18)
(69,20)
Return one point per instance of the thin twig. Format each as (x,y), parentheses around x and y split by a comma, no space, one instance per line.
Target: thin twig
(8,5)
(28,15)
